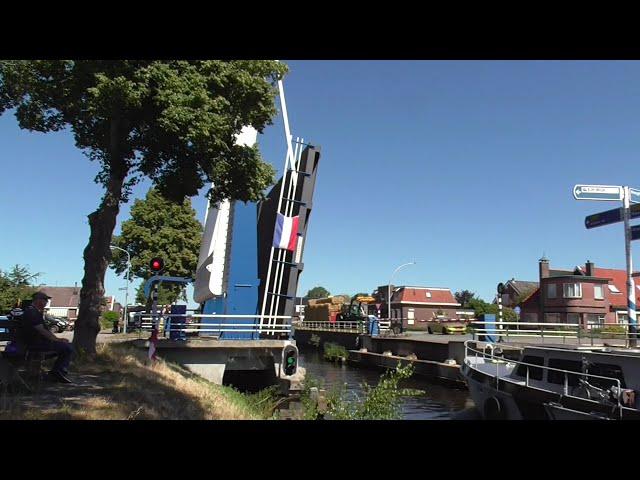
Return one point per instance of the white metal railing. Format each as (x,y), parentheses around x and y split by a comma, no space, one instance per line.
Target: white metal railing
(582,383)
(197,323)
(542,330)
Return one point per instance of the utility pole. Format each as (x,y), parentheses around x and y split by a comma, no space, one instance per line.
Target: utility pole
(631,294)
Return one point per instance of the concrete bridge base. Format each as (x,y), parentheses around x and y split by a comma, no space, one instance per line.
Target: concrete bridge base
(245,364)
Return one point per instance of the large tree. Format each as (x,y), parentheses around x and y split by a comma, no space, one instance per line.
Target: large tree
(172,121)
(159,228)
(318,292)
(464,297)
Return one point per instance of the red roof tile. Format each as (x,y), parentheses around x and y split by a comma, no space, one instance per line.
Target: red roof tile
(419,294)
(619,279)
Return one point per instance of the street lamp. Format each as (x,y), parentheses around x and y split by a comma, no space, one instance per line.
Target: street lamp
(126,295)
(389,287)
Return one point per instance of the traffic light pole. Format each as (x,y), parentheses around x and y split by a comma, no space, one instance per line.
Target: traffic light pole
(631,300)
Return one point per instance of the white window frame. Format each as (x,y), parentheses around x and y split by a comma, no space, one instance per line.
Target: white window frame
(595,296)
(550,289)
(575,294)
(613,288)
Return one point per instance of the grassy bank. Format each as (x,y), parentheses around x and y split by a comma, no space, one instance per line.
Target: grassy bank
(122,384)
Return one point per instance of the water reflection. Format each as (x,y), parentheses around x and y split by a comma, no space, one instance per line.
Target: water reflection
(437,403)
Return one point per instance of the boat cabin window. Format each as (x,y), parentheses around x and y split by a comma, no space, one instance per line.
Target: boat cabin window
(535,373)
(558,377)
(606,370)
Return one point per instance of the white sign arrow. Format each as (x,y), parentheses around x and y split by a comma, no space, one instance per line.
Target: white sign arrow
(597,192)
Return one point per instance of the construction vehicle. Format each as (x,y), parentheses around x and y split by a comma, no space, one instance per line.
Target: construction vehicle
(357,310)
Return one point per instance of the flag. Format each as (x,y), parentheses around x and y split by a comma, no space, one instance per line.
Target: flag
(286,234)
(153,343)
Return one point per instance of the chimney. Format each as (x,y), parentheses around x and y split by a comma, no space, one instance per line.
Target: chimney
(543,265)
(591,268)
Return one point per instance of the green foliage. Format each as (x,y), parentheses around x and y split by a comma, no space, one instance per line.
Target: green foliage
(15,285)
(479,306)
(159,228)
(464,297)
(107,319)
(174,121)
(381,402)
(318,292)
(333,352)
(309,406)
(167,294)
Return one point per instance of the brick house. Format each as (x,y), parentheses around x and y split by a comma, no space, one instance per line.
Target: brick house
(419,304)
(586,295)
(517,290)
(65,302)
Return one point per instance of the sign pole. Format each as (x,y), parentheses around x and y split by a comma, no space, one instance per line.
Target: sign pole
(631,300)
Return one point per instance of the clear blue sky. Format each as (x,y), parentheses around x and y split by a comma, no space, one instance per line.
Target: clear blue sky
(466,167)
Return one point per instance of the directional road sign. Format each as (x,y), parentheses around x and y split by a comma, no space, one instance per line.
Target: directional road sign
(610,216)
(635,195)
(598,192)
(635,232)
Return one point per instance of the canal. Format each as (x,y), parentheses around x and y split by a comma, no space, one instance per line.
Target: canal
(437,403)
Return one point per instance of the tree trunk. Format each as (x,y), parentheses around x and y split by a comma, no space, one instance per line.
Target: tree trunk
(102,222)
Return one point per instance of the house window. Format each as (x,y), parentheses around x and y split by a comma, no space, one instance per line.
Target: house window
(598,292)
(594,321)
(551,290)
(552,318)
(573,318)
(572,290)
(613,288)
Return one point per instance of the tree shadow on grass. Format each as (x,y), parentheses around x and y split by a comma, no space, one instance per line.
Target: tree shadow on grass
(109,389)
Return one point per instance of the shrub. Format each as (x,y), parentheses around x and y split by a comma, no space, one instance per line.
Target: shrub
(107,319)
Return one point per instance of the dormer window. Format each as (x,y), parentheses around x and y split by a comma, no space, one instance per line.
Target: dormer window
(428,294)
(613,289)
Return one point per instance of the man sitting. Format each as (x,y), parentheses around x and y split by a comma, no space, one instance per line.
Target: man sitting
(35,337)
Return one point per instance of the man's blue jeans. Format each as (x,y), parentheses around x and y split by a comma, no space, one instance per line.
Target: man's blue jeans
(64,351)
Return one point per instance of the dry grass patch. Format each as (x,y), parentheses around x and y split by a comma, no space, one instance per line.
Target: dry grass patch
(122,384)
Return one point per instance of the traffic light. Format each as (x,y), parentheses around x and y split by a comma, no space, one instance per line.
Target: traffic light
(290,359)
(156,264)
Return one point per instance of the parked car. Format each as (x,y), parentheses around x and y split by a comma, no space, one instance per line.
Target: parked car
(55,324)
(446,326)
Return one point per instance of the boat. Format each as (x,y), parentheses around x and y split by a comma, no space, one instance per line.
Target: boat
(553,382)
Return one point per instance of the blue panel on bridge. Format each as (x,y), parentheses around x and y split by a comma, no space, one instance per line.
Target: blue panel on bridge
(180,322)
(242,291)
(489,324)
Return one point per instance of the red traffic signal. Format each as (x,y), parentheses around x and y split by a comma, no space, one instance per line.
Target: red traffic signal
(156,264)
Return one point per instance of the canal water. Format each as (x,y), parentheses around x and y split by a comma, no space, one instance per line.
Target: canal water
(437,403)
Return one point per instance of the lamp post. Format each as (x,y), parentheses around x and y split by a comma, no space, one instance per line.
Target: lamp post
(389,287)
(126,295)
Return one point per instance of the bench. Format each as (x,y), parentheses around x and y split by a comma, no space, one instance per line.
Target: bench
(10,362)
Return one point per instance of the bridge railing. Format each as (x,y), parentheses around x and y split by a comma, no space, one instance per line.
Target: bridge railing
(213,324)
(339,326)
(354,327)
(554,331)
